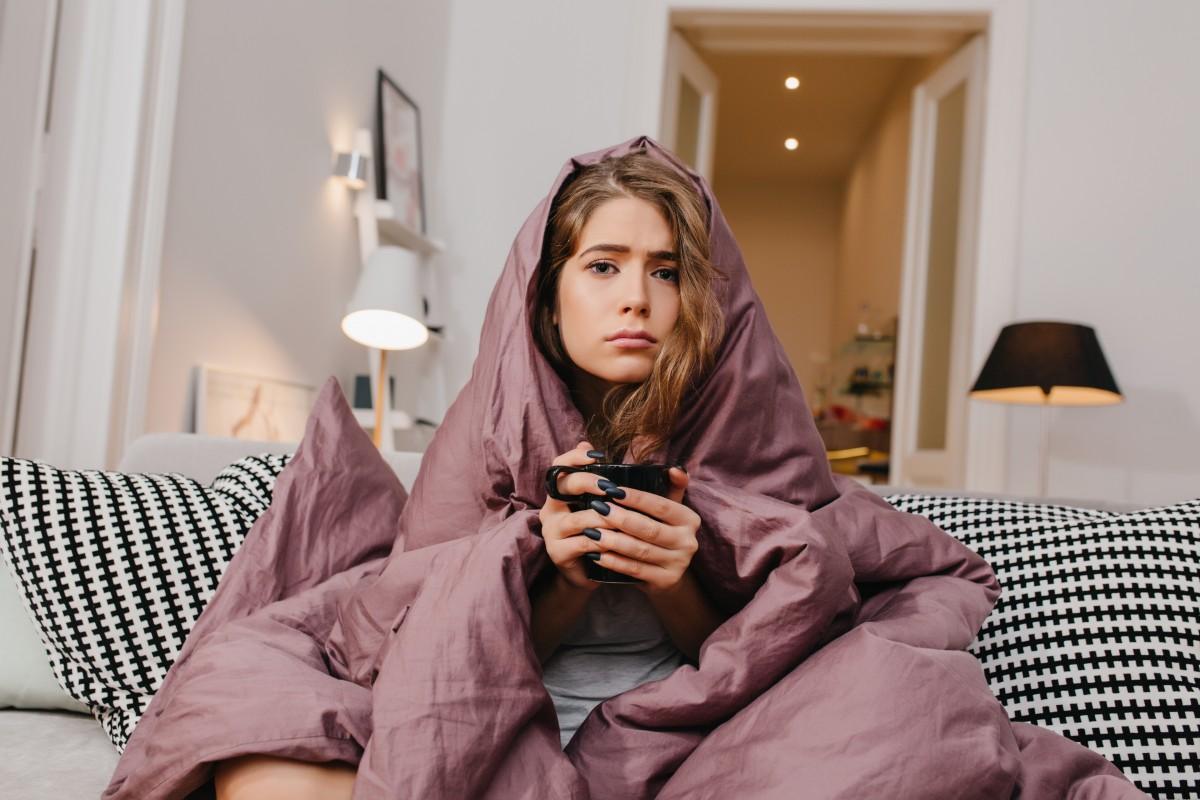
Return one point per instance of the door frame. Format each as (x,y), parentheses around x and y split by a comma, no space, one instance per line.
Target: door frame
(1000,167)
(99,223)
(908,461)
(684,62)
(27,34)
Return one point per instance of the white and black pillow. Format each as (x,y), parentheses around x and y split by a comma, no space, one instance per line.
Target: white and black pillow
(1096,634)
(115,568)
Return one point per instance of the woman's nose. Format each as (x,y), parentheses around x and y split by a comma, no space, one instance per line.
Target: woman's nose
(636,292)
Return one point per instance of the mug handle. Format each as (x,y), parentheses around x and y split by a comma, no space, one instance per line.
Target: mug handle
(552,483)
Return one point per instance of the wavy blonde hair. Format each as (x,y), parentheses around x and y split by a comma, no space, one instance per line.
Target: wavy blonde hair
(644,411)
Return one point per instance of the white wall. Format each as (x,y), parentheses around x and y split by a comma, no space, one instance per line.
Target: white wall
(261,251)
(788,234)
(528,85)
(1110,213)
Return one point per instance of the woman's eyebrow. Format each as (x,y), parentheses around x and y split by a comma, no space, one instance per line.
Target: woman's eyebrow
(663,255)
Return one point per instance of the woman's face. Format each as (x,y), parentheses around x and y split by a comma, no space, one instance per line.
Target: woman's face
(624,274)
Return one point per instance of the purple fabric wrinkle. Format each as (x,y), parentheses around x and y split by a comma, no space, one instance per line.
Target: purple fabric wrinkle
(390,629)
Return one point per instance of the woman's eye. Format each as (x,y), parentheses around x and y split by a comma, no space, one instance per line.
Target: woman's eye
(671,274)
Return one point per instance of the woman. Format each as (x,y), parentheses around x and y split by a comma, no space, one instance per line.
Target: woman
(612,264)
(794,635)
(626,251)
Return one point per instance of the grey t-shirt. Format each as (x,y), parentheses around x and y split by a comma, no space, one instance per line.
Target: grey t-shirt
(616,644)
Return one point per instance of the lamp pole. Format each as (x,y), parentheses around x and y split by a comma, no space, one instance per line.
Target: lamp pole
(1044,448)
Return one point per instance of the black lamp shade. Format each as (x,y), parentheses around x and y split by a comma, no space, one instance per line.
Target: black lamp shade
(1055,363)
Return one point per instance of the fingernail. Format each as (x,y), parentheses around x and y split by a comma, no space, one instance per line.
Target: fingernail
(592,534)
(592,556)
(595,454)
(611,489)
(600,507)
(682,467)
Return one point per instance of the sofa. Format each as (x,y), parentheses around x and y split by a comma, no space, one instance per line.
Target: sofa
(52,748)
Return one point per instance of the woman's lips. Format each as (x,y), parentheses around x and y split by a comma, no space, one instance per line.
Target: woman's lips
(639,344)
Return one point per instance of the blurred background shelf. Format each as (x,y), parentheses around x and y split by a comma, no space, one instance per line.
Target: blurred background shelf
(393,231)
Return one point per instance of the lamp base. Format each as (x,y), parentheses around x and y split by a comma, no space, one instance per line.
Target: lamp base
(380,387)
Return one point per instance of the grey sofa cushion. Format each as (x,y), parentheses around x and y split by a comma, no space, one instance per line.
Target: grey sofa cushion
(53,755)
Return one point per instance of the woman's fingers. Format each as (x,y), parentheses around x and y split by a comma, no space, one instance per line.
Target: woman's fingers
(621,543)
(650,573)
(606,513)
(577,545)
(581,483)
(662,509)
(572,458)
(575,458)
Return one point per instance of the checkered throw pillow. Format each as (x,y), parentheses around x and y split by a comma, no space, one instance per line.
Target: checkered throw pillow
(1096,634)
(115,568)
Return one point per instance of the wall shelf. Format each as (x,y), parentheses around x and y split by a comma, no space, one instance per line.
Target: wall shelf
(393,231)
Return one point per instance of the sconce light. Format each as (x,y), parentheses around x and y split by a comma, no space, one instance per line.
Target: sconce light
(353,167)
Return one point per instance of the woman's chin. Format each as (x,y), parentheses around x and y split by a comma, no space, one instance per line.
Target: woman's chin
(626,376)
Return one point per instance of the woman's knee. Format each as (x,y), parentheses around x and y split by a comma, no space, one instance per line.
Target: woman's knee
(260,777)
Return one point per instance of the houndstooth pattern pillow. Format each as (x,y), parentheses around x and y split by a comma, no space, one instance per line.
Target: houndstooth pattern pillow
(1096,634)
(115,568)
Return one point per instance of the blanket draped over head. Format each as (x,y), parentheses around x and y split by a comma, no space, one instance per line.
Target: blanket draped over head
(392,632)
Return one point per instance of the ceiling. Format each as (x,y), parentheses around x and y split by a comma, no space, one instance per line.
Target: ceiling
(848,65)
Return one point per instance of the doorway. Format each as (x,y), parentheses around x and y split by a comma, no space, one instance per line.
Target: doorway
(859,215)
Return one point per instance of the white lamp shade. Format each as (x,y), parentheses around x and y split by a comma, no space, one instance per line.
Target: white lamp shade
(386,309)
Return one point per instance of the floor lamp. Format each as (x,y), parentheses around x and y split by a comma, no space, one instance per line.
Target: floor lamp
(386,312)
(1046,364)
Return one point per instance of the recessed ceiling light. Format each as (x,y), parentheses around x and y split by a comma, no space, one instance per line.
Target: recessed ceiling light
(791,143)
(792,82)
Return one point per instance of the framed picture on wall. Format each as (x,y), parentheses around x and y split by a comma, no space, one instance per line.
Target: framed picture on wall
(398,172)
(246,406)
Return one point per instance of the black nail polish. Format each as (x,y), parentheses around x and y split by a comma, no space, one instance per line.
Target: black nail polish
(592,556)
(600,507)
(592,534)
(611,489)
(595,454)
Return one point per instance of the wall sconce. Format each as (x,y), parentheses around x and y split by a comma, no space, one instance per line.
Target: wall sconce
(354,167)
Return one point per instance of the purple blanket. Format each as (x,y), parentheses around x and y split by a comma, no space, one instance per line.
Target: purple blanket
(361,624)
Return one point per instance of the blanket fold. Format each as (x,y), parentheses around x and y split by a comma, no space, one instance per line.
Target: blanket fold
(389,627)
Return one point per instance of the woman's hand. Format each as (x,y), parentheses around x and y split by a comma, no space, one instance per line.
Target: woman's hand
(561,527)
(648,536)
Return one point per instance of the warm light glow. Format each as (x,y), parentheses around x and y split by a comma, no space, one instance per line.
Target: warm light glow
(385,330)
(791,143)
(1059,396)
(792,82)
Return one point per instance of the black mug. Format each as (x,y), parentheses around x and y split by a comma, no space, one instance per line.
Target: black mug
(652,478)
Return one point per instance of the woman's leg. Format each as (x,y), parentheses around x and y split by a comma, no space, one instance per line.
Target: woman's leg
(258,777)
